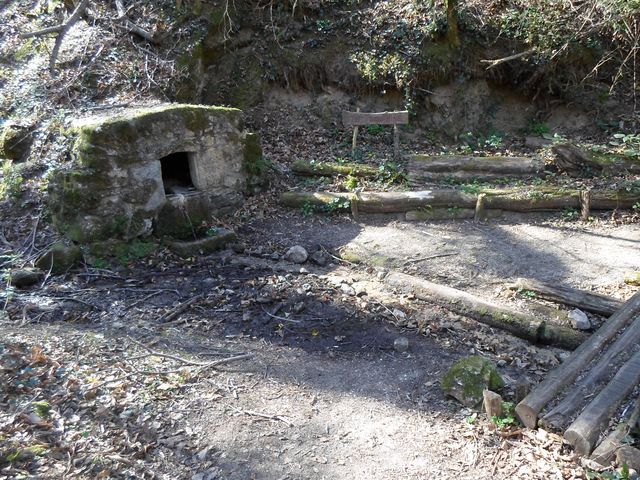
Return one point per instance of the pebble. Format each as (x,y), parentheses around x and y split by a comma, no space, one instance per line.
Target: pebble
(296,254)
(401,344)
(579,319)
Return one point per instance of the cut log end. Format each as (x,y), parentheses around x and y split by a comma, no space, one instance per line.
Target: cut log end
(527,414)
(581,445)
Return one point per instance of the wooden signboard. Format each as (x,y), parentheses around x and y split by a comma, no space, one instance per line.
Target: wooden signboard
(356,119)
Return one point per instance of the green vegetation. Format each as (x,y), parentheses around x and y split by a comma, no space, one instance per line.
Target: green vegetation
(508,416)
(375,129)
(12,182)
(623,474)
(570,214)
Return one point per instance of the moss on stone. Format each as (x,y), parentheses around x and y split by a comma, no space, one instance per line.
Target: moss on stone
(632,278)
(468,377)
(15,141)
(59,258)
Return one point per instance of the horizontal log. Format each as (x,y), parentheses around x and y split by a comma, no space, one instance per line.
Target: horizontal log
(330,169)
(504,166)
(423,179)
(520,324)
(584,432)
(352,119)
(529,408)
(384,202)
(515,200)
(591,302)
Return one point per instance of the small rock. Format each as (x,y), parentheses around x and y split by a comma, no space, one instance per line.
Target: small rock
(296,254)
(360,289)
(381,274)
(399,314)
(208,282)
(632,278)
(579,319)
(59,258)
(246,317)
(468,378)
(629,455)
(25,277)
(319,258)
(537,142)
(401,344)
(347,290)
(492,403)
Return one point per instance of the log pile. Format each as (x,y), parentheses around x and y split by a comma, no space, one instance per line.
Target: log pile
(608,363)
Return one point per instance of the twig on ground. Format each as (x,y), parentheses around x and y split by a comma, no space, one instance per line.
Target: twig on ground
(167,318)
(430,257)
(278,317)
(278,418)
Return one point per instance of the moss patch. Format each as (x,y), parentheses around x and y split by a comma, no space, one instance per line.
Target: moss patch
(468,377)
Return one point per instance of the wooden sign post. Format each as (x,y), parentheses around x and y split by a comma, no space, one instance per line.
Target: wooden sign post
(355,119)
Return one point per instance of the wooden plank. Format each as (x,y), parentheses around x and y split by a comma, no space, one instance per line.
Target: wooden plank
(529,408)
(352,119)
(584,432)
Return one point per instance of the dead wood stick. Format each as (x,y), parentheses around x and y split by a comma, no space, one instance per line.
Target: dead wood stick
(498,61)
(529,408)
(167,317)
(279,418)
(585,204)
(591,302)
(130,26)
(584,432)
(615,355)
(61,30)
(329,169)
(606,451)
(519,324)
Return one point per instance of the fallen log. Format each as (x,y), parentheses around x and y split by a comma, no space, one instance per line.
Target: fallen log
(615,355)
(588,301)
(529,408)
(419,164)
(331,169)
(423,169)
(532,200)
(383,202)
(578,162)
(605,453)
(520,324)
(584,432)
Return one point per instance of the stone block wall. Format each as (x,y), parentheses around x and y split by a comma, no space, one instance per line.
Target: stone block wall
(116,187)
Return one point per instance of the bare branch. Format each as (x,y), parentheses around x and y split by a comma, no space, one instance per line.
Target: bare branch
(499,61)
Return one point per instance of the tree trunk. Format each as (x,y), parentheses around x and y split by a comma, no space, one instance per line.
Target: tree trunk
(519,324)
(329,169)
(591,302)
(529,408)
(453,36)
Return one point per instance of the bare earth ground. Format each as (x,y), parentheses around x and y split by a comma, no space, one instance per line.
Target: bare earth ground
(324,395)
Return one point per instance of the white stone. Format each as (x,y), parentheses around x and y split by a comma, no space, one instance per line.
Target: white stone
(296,254)
(579,320)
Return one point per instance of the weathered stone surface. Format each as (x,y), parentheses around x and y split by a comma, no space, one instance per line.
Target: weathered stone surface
(467,378)
(629,455)
(15,141)
(59,258)
(632,278)
(296,254)
(579,319)
(116,189)
(25,277)
(203,245)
